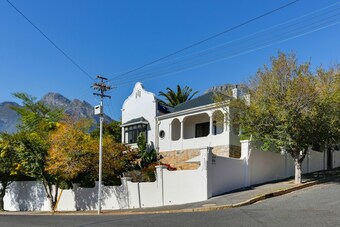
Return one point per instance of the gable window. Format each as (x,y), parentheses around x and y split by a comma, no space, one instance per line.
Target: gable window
(132,132)
(202,129)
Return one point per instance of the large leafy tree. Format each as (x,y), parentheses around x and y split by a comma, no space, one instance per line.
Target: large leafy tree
(71,150)
(37,122)
(8,163)
(73,155)
(181,95)
(287,109)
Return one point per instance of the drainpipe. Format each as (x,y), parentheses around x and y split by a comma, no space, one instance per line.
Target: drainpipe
(157,140)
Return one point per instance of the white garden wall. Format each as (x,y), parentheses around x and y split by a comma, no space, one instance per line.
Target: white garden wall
(336,159)
(227,174)
(216,175)
(266,166)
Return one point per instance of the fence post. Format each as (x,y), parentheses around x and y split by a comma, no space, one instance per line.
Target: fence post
(126,188)
(245,154)
(160,181)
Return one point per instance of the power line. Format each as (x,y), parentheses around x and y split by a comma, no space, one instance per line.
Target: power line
(314,24)
(53,43)
(206,39)
(163,73)
(251,37)
(288,35)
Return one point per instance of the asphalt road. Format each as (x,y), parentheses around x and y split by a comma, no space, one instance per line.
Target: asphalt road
(315,206)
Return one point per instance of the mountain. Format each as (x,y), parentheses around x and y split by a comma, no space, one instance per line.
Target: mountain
(221,88)
(8,117)
(75,108)
(227,87)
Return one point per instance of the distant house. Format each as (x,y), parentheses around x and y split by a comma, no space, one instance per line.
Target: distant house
(178,133)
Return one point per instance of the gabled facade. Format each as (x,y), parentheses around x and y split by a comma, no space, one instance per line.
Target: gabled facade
(139,113)
(179,133)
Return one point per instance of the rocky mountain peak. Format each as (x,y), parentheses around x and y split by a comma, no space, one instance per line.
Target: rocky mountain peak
(76,108)
(55,99)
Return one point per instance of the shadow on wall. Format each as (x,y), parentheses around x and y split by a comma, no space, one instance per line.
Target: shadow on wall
(122,195)
(27,195)
(87,198)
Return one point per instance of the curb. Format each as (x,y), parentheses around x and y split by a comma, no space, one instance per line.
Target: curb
(241,204)
(222,207)
(189,210)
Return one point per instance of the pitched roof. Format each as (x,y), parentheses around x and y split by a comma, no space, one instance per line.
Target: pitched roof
(140,120)
(205,99)
(163,108)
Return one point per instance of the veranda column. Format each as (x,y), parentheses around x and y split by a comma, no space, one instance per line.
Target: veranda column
(181,137)
(211,124)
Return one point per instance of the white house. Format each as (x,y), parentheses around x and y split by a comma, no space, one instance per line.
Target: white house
(193,136)
(179,133)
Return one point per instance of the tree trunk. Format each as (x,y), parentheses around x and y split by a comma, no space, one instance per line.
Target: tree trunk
(2,208)
(49,193)
(2,195)
(297,171)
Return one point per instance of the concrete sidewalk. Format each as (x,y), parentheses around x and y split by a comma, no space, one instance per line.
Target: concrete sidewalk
(230,200)
(241,197)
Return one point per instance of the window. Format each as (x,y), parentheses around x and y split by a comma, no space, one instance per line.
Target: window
(202,129)
(162,134)
(132,132)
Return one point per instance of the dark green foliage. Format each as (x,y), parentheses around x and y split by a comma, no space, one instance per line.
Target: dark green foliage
(65,185)
(113,129)
(112,181)
(147,156)
(173,98)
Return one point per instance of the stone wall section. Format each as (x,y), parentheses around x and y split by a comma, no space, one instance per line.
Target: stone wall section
(177,158)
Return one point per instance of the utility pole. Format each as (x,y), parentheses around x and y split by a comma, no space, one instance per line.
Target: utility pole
(99,110)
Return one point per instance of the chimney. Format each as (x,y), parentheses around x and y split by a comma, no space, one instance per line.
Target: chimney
(236,92)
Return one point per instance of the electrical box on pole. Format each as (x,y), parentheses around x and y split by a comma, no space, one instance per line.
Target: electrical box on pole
(98,110)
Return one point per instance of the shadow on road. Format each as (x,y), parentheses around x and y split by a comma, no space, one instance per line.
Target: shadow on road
(325,176)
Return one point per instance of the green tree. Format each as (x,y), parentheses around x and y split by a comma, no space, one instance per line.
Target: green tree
(285,111)
(173,98)
(147,156)
(117,159)
(8,163)
(113,129)
(328,108)
(73,155)
(36,116)
(37,122)
(71,150)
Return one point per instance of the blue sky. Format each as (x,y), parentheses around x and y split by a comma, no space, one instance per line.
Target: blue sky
(108,37)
